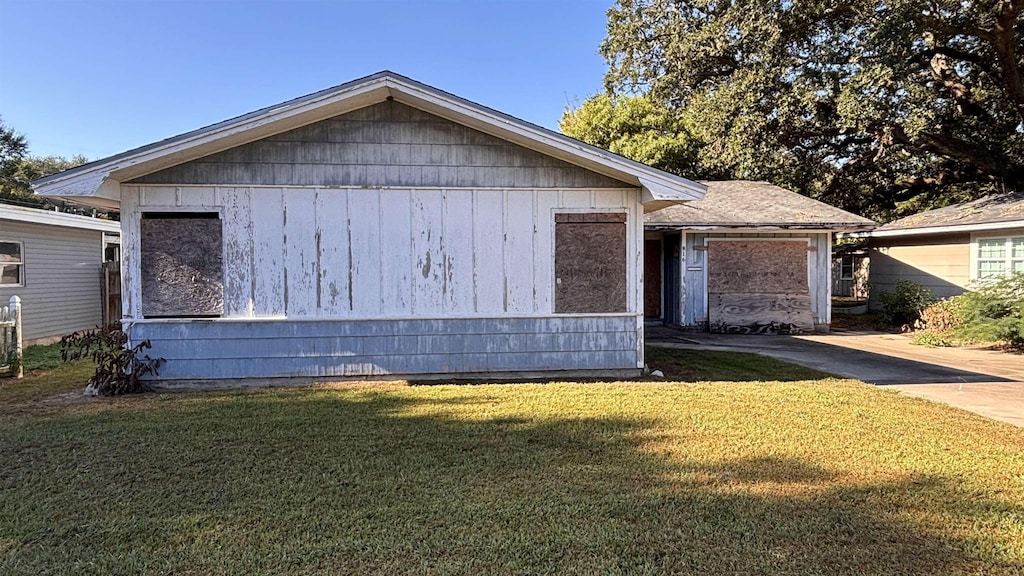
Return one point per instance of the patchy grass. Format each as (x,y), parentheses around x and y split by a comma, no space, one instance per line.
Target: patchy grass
(709,366)
(813,477)
(42,357)
(45,376)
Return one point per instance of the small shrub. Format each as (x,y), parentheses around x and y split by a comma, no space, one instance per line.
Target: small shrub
(994,311)
(904,304)
(934,338)
(939,323)
(943,316)
(119,369)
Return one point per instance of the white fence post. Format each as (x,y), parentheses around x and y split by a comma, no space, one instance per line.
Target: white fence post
(16,313)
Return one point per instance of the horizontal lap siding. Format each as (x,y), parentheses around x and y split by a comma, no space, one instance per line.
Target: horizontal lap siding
(282,348)
(62,278)
(940,263)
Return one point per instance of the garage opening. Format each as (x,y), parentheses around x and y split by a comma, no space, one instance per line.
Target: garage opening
(759,286)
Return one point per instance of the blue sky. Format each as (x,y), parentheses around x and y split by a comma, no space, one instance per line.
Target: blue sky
(101,77)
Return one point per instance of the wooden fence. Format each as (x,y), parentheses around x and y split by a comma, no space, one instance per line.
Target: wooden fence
(10,339)
(111,288)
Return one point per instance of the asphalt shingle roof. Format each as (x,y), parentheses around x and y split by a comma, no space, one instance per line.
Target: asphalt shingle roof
(1008,207)
(750,204)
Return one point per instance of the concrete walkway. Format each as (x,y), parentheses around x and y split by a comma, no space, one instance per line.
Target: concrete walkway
(982,381)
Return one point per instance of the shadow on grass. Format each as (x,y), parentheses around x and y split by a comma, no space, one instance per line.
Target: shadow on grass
(684,365)
(357,481)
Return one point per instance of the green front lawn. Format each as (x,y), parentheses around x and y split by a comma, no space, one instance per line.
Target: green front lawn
(824,476)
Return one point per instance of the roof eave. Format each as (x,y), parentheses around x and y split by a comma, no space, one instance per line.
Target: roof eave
(51,218)
(949,229)
(803,226)
(90,179)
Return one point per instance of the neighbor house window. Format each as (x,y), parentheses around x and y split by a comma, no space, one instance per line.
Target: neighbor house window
(12,264)
(1000,256)
(182,265)
(846,267)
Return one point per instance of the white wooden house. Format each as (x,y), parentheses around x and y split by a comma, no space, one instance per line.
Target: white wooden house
(382,227)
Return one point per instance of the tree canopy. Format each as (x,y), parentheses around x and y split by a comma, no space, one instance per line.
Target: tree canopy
(18,169)
(879,106)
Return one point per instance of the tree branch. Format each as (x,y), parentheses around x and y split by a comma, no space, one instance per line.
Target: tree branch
(1004,41)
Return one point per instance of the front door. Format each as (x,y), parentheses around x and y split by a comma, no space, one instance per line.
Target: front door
(652,278)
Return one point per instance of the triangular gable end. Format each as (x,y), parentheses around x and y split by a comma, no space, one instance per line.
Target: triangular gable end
(99,182)
(384,144)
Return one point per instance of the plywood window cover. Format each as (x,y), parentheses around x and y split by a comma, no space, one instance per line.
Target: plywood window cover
(568,300)
(590,217)
(183,285)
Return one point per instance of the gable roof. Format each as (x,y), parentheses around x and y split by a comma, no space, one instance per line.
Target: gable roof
(99,182)
(750,204)
(989,213)
(51,218)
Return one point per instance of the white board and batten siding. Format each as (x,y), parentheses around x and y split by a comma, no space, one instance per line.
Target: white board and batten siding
(346,281)
(61,278)
(693,262)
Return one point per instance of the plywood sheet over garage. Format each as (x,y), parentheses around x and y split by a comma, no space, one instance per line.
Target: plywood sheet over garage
(757,266)
(759,287)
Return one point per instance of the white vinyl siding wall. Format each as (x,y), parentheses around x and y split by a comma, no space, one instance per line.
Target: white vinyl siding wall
(60,277)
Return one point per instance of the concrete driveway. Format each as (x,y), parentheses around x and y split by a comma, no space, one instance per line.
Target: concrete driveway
(982,381)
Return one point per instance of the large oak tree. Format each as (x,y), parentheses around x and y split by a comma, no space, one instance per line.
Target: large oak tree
(882,107)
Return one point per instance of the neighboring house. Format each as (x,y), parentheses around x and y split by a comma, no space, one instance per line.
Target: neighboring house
(947,248)
(52,261)
(381,227)
(749,257)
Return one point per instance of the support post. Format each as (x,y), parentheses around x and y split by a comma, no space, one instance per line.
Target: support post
(16,313)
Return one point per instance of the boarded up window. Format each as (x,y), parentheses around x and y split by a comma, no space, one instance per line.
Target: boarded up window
(182,267)
(590,263)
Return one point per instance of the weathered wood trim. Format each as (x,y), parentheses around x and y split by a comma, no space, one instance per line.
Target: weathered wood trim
(471,377)
(131,250)
(590,217)
(276,319)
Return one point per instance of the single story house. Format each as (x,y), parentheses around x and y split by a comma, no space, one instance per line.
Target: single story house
(52,261)
(750,257)
(946,249)
(381,227)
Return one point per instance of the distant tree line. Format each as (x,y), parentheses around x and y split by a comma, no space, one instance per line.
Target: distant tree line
(18,169)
